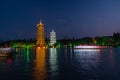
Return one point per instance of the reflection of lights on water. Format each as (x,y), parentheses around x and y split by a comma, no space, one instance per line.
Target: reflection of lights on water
(86,50)
(28,55)
(86,53)
(40,64)
(43,47)
(9,61)
(87,46)
(53,53)
(53,64)
(71,50)
(53,59)
(86,59)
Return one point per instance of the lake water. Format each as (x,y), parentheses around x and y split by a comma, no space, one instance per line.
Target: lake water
(61,64)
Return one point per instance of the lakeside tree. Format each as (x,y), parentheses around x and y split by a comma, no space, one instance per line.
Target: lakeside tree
(111,41)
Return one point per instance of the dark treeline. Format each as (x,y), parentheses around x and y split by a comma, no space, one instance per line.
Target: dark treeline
(18,42)
(111,41)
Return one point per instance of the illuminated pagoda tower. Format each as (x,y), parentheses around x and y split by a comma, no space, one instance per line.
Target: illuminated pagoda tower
(40,35)
(52,38)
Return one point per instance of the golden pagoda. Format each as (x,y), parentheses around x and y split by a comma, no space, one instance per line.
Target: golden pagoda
(40,35)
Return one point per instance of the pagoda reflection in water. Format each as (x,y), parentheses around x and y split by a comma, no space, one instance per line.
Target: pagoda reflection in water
(40,64)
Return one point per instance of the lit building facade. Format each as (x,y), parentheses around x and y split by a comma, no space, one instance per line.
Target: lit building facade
(52,38)
(40,35)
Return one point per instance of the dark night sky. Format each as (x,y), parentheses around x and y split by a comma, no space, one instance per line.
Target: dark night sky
(69,18)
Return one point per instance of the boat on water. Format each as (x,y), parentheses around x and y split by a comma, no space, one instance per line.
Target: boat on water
(89,47)
(6,51)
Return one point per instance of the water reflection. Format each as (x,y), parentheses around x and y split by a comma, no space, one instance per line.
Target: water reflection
(25,54)
(111,57)
(28,54)
(61,64)
(86,61)
(6,61)
(53,63)
(53,58)
(40,65)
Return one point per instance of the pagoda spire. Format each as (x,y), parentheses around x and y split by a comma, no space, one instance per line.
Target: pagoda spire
(41,22)
(52,30)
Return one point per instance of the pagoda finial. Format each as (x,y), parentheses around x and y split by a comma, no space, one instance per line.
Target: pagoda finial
(52,30)
(41,22)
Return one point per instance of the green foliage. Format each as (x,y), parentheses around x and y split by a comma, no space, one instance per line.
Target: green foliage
(111,41)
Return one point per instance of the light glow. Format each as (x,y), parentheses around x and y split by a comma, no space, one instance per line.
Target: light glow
(89,47)
(43,47)
(86,50)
